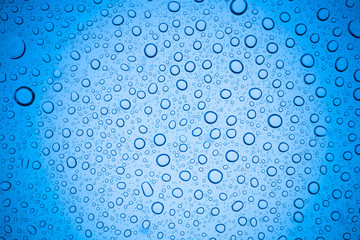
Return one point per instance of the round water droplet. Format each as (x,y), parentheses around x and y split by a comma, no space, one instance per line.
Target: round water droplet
(323,14)
(274,121)
(225,94)
(237,206)
(210,117)
(24,96)
(48,107)
(307,60)
(255,93)
(356,94)
(163,160)
(5,186)
(354,28)
(150,50)
(271,171)
(159,139)
(250,41)
(341,64)
(174,6)
(320,131)
(177,192)
(71,162)
(268,23)
(157,207)
(309,78)
(236,66)
(298,217)
(15,47)
(215,176)
(232,156)
(313,188)
(238,7)
(249,138)
(139,143)
(118,20)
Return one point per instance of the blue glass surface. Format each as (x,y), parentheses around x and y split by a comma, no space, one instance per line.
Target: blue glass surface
(194,119)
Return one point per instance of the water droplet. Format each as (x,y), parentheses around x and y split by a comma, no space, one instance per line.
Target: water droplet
(24,96)
(313,188)
(210,117)
(157,207)
(354,28)
(118,20)
(236,66)
(163,160)
(15,47)
(215,176)
(307,60)
(150,50)
(238,7)
(174,6)
(274,121)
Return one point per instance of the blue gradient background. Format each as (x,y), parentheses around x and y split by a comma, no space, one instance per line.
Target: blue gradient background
(44,196)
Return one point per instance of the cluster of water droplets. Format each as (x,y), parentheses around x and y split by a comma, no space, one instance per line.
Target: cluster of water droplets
(179,120)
